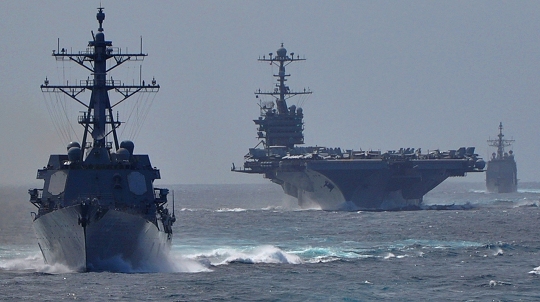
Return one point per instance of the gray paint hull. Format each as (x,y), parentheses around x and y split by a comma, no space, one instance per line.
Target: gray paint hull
(501,176)
(370,185)
(112,240)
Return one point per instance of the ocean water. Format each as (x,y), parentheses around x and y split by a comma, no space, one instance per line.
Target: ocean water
(252,243)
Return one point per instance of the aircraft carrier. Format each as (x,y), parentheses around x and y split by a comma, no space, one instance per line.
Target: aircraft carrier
(336,179)
(98,209)
(501,171)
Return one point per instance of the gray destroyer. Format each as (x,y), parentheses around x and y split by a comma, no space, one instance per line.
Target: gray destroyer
(336,179)
(501,171)
(98,208)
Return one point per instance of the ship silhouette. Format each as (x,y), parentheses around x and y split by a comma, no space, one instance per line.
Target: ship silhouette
(336,179)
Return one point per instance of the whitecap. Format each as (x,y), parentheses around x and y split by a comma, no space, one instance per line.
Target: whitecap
(527,203)
(389,255)
(329,254)
(231,210)
(535,271)
(250,255)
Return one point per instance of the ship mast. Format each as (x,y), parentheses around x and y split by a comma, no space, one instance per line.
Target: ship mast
(284,127)
(500,143)
(98,120)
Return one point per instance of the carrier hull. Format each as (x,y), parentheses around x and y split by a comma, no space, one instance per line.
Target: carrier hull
(370,185)
(88,238)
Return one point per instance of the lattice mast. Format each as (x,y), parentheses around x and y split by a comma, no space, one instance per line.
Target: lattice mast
(98,120)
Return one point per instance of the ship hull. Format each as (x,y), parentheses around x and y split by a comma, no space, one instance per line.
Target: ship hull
(501,176)
(88,238)
(371,185)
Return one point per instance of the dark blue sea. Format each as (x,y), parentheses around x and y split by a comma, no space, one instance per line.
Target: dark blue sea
(252,243)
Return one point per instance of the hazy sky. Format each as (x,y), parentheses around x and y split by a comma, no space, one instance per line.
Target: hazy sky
(385,75)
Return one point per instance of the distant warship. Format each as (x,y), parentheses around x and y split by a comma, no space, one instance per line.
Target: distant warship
(501,171)
(335,179)
(98,206)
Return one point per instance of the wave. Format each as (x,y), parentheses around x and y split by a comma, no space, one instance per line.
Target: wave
(248,255)
(346,251)
(231,210)
(470,205)
(272,208)
(533,191)
(527,203)
(390,250)
(199,257)
(477,191)
(535,271)
(329,254)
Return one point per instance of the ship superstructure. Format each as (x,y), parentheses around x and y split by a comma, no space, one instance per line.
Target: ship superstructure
(336,179)
(501,171)
(98,208)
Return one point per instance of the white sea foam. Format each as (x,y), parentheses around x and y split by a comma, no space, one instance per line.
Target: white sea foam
(535,271)
(327,254)
(534,191)
(527,203)
(171,264)
(231,210)
(182,264)
(250,255)
(389,255)
(498,252)
(34,263)
(272,208)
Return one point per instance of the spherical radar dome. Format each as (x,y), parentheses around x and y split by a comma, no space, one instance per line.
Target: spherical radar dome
(128,145)
(282,52)
(73,144)
(74,154)
(122,154)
